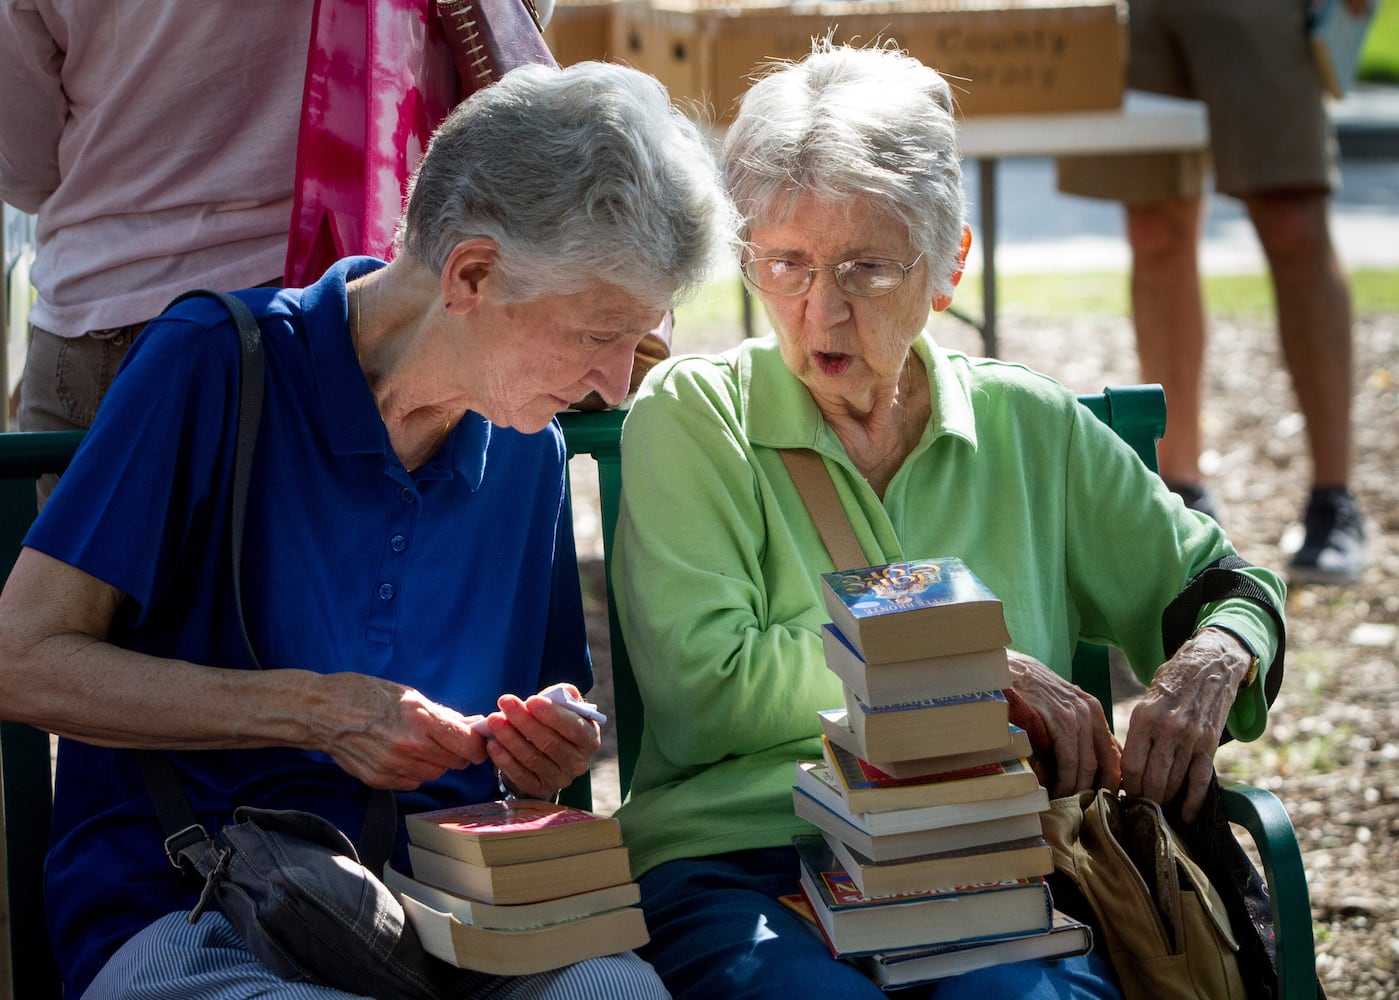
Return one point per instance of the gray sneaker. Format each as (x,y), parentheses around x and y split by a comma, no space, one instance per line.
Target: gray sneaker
(1333,550)
(1197,498)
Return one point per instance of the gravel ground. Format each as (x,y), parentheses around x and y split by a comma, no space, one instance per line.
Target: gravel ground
(1331,751)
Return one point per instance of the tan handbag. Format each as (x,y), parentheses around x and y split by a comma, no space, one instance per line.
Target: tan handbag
(1165,928)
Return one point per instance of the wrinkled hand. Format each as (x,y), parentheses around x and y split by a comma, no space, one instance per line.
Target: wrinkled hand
(1086,754)
(391,736)
(539,746)
(1175,729)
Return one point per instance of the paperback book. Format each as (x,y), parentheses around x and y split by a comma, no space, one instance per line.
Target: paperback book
(835,726)
(1066,937)
(517,917)
(856,924)
(909,610)
(912,680)
(867,788)
(849,829)
(525,882)
(523,952)
(511,831)
(814,779)
(996,862)
(931,728)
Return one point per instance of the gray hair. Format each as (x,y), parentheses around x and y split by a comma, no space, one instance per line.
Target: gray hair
(853,123)
(581,175)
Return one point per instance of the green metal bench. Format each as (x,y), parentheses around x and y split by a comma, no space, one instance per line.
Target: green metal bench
(1138,415)
(1135,412)
(26,788)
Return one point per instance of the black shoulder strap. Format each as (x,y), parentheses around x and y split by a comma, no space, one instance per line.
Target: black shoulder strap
(250,383)
(184,834)
(183,831)
(1219,580)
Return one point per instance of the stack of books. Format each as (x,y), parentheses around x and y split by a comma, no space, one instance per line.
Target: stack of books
(930,860)
(519,886)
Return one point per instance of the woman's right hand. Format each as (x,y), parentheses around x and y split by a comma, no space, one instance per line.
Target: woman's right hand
(391,736)
(1086,753)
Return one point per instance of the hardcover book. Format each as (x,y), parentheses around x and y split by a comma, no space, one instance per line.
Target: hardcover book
(997,862)
(867,788)
(814,779)
(518,917)
(856,924)
(523,952)
(511,831)
(836,728)
(912,843)
(1066,937)
(932,728)
(526,882)
(912,680)
(910,610)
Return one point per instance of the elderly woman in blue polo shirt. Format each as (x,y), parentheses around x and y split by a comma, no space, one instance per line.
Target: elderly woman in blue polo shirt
(408,560)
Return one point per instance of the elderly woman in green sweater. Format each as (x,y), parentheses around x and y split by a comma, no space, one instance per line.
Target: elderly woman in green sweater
(846,170)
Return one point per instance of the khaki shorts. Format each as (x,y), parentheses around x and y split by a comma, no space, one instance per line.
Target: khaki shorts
(1248,61)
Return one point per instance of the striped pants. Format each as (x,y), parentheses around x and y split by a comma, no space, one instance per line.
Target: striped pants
(175,960)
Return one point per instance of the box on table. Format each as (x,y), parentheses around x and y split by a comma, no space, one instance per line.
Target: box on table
(580,30)
(1000,56)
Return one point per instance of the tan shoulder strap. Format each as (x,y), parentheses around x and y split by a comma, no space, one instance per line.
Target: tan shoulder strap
(813,482)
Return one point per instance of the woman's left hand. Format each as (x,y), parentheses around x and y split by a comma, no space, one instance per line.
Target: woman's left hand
(1085,753)
(540,746)
(1175,729)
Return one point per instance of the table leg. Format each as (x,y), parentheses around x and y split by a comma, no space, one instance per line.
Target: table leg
(987,171)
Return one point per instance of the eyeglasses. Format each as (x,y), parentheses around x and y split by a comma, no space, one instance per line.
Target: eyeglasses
(867,277)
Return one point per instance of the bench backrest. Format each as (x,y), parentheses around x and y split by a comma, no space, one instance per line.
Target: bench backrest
(1135,412)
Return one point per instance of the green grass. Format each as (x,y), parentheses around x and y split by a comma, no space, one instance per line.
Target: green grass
(1375,290)
(1247,296)
(1379,59)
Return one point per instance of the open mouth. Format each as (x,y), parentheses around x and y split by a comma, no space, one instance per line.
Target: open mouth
(829,363)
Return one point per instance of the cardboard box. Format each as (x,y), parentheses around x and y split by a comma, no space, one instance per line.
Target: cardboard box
(580,30)
(1000,56)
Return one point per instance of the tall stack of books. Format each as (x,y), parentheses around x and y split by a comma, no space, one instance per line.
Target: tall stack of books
(930,860)
(519,886)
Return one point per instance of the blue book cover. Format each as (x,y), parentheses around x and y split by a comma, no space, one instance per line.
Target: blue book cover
(908,610)
(906,586)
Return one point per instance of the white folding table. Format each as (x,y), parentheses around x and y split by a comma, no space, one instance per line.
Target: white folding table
(1144,123)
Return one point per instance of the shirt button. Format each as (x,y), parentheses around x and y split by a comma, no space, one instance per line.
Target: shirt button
(407,494)
(398,543)
(385,591)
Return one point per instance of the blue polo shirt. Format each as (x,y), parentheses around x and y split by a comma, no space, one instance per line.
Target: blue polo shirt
(458,579)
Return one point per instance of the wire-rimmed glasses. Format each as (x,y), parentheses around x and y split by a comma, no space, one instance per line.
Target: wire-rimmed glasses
(867,277)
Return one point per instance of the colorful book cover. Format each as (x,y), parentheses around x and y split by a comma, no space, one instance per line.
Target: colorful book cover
(838,890)
(905,586)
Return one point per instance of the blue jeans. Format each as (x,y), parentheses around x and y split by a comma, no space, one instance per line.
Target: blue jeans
(717,930)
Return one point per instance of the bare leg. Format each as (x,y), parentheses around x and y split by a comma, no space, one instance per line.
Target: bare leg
(1314,321)
(1168,311)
